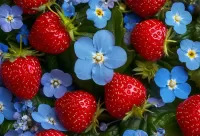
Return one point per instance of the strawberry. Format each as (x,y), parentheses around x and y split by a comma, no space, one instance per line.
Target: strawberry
(30,6)
(148,38)
(22,76)
(50,132)
(145,8)
(76,110)
(122,93)
(48,34)
(188,115)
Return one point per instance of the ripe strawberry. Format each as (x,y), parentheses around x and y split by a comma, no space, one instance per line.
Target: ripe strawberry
(30,6)
(145,8)
(76,110)
(188,115)
(50,132)
(22,76)
(49,35)
(148,38)
(122,93)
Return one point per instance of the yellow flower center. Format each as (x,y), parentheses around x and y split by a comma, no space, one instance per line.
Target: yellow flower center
(172,84)
(191,54)
(99,12)
(55,83)
(1,106)
(177,18)
(98,58)
(10,18)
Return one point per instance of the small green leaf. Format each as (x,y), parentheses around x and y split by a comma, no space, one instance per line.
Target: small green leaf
(7,125)
(37,100)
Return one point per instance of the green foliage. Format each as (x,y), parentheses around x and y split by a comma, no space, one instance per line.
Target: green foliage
(7,125)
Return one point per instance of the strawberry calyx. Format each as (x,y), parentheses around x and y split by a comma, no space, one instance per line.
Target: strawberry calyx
(15,52)
(167,41)
(138,111)
(43,7)
(95,122)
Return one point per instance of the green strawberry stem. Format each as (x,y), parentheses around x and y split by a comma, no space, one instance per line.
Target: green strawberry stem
(137,111)
(167,41)
(95,122)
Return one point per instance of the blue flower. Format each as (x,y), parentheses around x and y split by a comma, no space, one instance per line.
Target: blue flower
(6,106)
(24,32)
(22,124)
(178,17)
(23,105)
(98,13)
(97,57)
(156,102)
(127,37)
(56,83)
(135,133)
(10,18)
(108,3)
(47,117)
(130,21)
(3,49)
(76,2)
(15,133)
(172,84)
(160,132)
(189,52)
(68,8)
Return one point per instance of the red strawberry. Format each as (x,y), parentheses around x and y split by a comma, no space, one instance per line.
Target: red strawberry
(145,8)
(50,132)
(30,6)
(22,76)
(148,38)
(49,35)
(122,93)
(76,110)
(188,115)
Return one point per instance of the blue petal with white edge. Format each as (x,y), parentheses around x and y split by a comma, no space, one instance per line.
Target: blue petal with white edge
(84,48)
(179,74)
(186,44)
(103,41)
(182,91)
(115,58)
(177,7)
(187,17)
(101,74)
(167,95)
(83,69)
(1,118)
(162,76)
(180,29)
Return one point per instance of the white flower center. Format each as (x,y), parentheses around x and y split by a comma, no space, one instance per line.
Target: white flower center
(172,84)
(98,58)
(10,18)
(55,83)
(1,107)
(191,54)
(99,12)
(51,120)
(177,18)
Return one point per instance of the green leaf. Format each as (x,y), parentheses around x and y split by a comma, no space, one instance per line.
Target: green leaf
(51,62)
(112,131)
(7,125)
(37,100)
(195,76)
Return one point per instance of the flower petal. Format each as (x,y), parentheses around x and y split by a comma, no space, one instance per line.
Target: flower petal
(101,74)
(182,91)
(17,23)
(180,29)
(60,91)
(100,23)
(44,109)
(46,79)
(169,18)
(115,61)
(192,64)
(48,90)
(5,95)
(1,118)
(167,95)
(83,69)
(129,133)
(4,10)
(91,15)
(12,133)
(38,117)
(59,127)
(9,111)
(186,44)
(179,74)
(65,78)
(187,17)
(6,27)
(107,14)
(16,11)
(162,76)
(47,125)
(93,3)
(84,48)
(103,41)
(196,47)
(182,57)
(178,6)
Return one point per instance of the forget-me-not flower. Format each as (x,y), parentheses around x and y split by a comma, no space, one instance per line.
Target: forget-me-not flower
(55,83)
(23,105)
(24,33)
(6,106)
(156,102)
(3,49)
(135,133)
(47,117)
(98,13)
(15,133)
(108,3)
(189,52)
(10,18)
(130,21)
(178,17)
(68,8)
(98,57)
(172,84)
